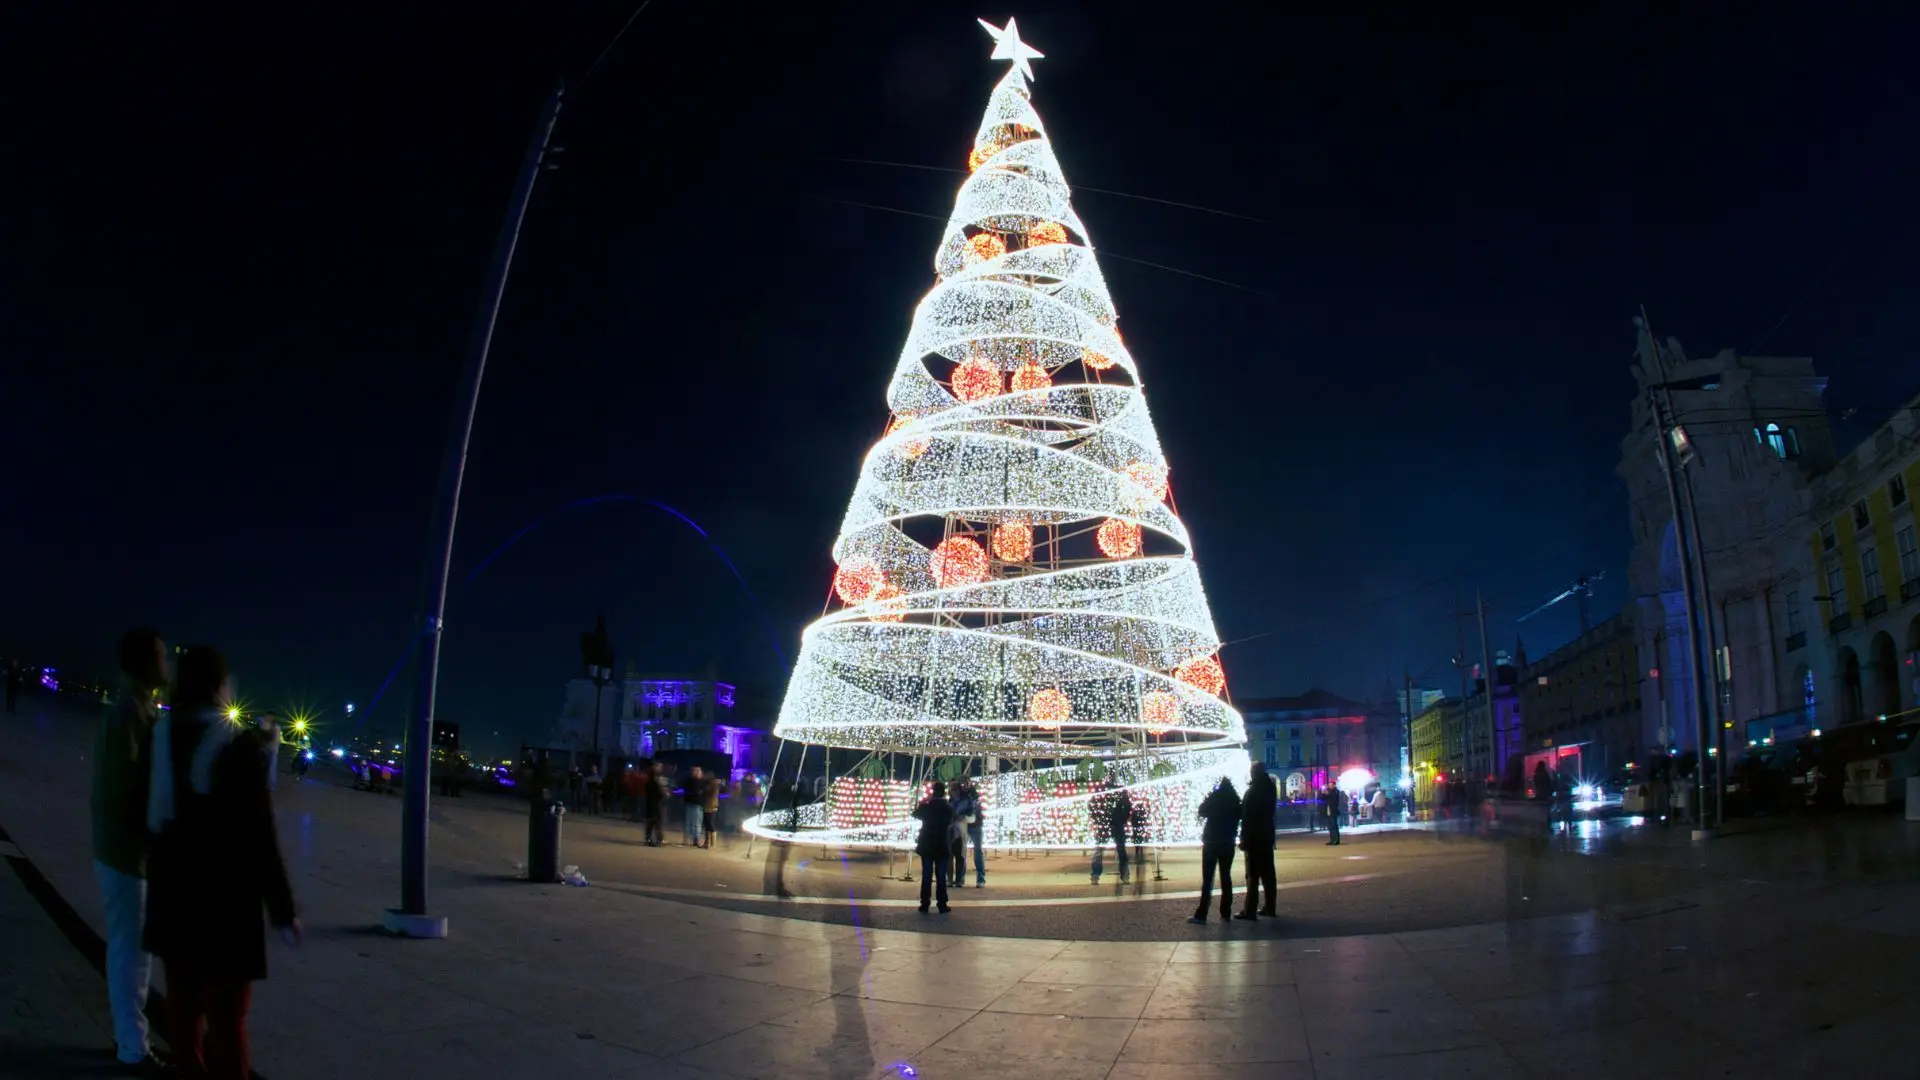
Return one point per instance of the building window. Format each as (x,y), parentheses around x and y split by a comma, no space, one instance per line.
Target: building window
(1794,623)
(1861,519)
(1837,590)
(1272,733)
(1783,442)
(1909,556)
(1897,490)
(1827,538)
(1293,733)
(1293,755)
(1272,758)
(1777,441)
(1870,586)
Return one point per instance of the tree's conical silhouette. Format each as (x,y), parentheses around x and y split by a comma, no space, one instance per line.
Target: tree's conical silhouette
(1014,589)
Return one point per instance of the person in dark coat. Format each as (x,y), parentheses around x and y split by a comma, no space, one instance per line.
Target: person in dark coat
(122,769)
(215,875)
(1334,804)
(1119,818)
(1256,839)
(654,793)
(1220,811)
(936,824)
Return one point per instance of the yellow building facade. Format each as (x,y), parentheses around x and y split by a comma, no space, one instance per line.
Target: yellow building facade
(1855,656)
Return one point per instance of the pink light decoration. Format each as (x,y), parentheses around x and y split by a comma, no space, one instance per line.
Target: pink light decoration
(1049,708)
(959,560)
(856,579)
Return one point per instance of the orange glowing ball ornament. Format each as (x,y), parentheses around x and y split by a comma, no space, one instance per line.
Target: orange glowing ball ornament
(980,155)
(1151,477)
(1118,539)
(985,247)
(1203,673)
(1047,232)
(1049,708)
(856,579)
(959,560)
(976,380)
(1031,376)
(1098,361)
(912,448)
(1013,541)
(889,603)
(1159,711)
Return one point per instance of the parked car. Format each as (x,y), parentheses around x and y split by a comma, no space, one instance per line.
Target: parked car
(1877,776)
(1771,779)
(1826,769)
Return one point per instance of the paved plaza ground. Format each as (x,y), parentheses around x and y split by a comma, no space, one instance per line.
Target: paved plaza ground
(1404,953)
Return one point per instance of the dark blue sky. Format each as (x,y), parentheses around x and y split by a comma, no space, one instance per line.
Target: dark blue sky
(246,255)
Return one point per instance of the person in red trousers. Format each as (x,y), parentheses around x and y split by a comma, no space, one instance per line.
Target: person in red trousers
(215,876)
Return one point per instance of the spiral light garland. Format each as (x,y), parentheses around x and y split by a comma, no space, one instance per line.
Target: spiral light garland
(1017,592)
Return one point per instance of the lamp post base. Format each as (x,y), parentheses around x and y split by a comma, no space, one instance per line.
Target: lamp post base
(400,924)
(1700,835)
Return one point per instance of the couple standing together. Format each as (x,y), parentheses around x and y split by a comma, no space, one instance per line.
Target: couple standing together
(1223,814)
(187,857)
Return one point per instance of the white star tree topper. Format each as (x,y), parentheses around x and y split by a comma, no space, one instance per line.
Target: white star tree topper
(1008,46)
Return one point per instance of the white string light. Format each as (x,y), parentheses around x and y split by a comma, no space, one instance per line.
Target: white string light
(1017,412)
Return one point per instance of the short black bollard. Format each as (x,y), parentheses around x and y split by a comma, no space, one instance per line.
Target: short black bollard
(543,840)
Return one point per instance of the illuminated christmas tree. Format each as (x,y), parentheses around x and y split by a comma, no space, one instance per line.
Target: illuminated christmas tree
(1015,597)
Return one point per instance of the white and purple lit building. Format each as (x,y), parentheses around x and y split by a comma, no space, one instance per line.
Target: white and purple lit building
(644,715)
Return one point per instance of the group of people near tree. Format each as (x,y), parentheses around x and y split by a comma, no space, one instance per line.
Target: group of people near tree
(187,857)
(947,825)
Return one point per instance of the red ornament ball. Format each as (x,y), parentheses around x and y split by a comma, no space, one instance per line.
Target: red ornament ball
(1098,361)
(1203,673)
(1031,376)
(959,560)
(856,579)
(1013,541)
(889,603)
(1118,539)
(1159,711)
(1151,477)
(1046,232)
(912,448)
(976,380)
(1049,708)
(984,247)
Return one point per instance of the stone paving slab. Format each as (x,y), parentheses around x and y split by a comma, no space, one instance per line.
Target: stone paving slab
(53,1008)
(1745,979)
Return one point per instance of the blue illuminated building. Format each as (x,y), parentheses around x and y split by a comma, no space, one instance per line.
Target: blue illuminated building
(644,715)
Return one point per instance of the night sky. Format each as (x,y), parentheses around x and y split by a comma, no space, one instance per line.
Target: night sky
(246,255)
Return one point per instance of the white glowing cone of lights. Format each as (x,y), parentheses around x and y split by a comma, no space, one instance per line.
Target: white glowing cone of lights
(1052,665)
